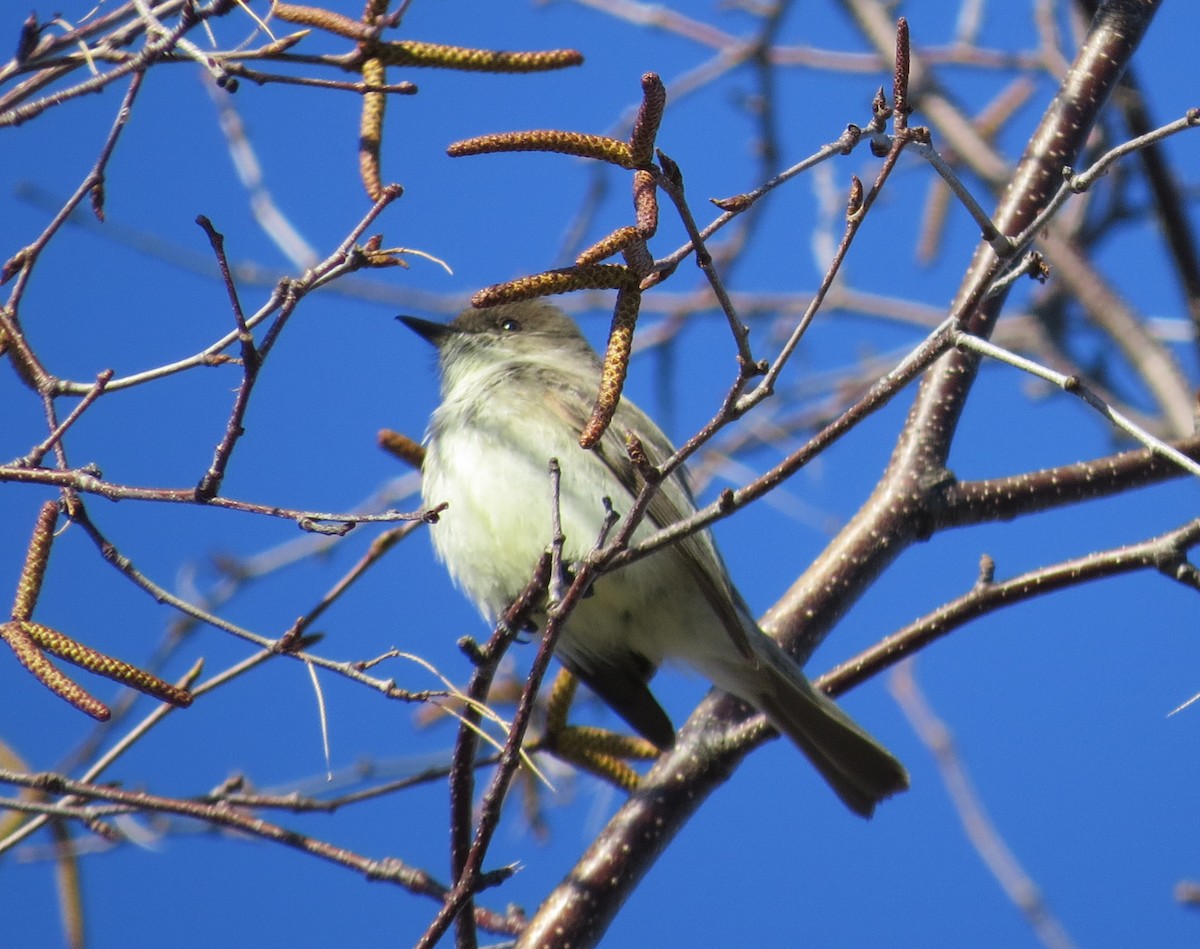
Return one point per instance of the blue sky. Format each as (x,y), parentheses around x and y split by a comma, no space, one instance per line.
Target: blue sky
(1058,707)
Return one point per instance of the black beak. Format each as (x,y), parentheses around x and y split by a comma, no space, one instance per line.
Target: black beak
(429,331)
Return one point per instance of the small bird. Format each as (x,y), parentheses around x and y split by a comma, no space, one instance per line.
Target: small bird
(518,382)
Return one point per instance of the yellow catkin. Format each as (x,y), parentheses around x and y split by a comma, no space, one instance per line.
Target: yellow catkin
(578,752)
(592,277)
(418,54)
(321,19)
(52,641)
(649,117)
(599,147)
(370,134)
(48,674)
(29,585)
(616,365)
(605,742)
(645,203)
(400,446)
(609,245)
(562,694)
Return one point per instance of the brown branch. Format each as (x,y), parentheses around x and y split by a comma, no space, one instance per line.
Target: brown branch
(153,51)
(965,503)
(1165,553)
(581,907)
(210,484)
(385,869)
(466,745)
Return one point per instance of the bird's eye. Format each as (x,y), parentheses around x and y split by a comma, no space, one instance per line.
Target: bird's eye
(510,326)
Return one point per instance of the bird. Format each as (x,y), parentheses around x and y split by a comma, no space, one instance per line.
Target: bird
(518,381)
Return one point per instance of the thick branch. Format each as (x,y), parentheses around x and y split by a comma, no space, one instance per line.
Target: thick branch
(578,912)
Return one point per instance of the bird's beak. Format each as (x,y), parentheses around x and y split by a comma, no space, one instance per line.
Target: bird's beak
(429,331)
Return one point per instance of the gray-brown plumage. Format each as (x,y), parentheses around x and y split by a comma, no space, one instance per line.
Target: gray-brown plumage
(518,382)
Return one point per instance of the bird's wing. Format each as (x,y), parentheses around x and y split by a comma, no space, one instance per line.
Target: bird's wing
(672,502)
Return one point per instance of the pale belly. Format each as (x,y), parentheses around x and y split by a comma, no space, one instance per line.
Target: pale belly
(649,607)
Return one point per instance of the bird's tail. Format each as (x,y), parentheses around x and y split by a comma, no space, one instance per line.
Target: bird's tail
(859,769)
